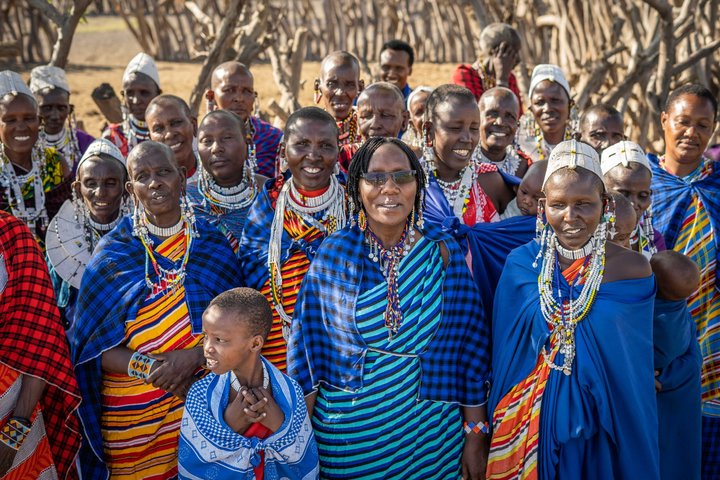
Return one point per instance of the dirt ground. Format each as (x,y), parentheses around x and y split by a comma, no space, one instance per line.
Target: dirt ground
(103,46)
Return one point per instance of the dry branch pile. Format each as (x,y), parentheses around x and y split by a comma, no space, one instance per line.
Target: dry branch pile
(629,53)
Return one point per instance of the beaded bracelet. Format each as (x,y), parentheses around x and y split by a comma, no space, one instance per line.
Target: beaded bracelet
(140,366)
(15,431)
(482,427)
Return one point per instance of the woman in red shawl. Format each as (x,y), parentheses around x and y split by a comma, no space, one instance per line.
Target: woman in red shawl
(39,432)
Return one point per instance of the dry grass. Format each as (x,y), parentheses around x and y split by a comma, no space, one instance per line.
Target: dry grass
(103,46)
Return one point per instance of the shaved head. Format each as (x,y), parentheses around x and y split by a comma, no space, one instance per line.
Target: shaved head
(228,69)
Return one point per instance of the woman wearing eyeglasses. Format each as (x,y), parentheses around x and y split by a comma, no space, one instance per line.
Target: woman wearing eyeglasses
(296,212)
(387,341)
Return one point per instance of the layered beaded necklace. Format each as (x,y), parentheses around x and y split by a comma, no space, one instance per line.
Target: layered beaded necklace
(65,142)
(347,129)
(235,382)
(509,164)
(17,186)
(135,131)
(168,279)
(228,198)
(457,192)
(563,314)
(541,145)
(389,260)
(93,230)
(332,206)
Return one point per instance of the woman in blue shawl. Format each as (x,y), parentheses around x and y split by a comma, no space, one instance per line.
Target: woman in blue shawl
(388,340)
(227,184)
(573,392)
(138,343)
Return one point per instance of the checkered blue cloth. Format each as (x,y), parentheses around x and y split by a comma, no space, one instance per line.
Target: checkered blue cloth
(267,139)
(325,345)
(113,289)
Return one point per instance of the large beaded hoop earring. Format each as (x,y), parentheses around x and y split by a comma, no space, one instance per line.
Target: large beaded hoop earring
(362,220)
(609,217)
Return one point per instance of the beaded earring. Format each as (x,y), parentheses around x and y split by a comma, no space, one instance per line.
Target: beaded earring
(318,93)
(210,104)
(609,216)
(187,212)
(138,219)
(256,106)
(573,120)
(420,220)
(540,219)
(428,151)
(251,161)
(362,220)
(81,211)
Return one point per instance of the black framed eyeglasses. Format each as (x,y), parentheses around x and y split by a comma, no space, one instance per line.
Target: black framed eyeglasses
(378,179)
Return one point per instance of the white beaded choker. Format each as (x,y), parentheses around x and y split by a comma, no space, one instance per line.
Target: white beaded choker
(165,232)
(235,382)
(104,227)
(582,252)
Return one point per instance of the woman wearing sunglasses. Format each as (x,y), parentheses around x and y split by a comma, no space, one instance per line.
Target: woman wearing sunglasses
(296,210)
(387,339)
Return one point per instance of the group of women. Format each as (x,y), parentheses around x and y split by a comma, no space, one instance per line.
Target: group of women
(438,326)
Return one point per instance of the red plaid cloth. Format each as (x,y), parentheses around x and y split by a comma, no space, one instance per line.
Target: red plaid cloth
(469,78)
(32,339)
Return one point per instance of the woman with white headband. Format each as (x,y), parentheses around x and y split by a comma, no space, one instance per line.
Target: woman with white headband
(551,107)
(98,203)
(34,180)
(573,392)
(140,84)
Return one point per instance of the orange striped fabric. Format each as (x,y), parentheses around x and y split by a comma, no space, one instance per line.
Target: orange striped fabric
(140,423)
(34,459)
(516,421)
(292,271)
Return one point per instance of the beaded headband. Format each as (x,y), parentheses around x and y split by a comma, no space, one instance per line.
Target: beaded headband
(102,146)
(548,71)
(13,84)
(572,154)
(48,77)
(622,153)
(142,63)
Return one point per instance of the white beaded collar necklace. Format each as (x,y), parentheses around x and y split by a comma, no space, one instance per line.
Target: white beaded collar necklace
(165,232)
(235,382)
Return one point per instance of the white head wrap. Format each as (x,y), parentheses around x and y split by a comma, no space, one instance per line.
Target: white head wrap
(142,63)
(422,88)
(622,153)
(13,84)
(102,146)
(47,77)
(547,71)
(573,154)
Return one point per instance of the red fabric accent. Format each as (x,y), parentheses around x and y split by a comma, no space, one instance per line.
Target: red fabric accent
(32,339)
(191,172)
(258,430)
(346,154)
(469,78)
(312,193)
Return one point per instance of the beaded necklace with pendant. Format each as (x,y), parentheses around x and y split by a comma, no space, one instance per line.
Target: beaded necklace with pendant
(457,192)
(562,315)
(168,279)
(389,261)
(65,142)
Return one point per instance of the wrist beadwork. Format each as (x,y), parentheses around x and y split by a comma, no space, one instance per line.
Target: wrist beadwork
(481,427)
(15,431)
(140,366)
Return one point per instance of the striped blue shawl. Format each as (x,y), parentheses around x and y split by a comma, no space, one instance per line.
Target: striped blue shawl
(113,289)
(672,196)
(325,345)
(209,448)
